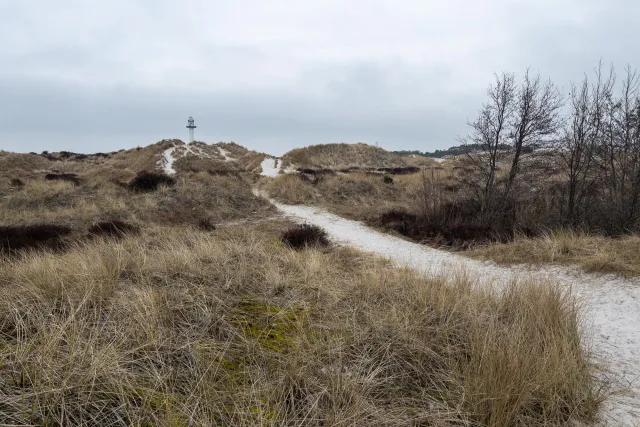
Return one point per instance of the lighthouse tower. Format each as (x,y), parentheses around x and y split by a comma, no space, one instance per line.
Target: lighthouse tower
(191,125)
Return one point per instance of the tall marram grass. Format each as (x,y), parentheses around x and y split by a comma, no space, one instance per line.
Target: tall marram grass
(178,327)
(593,253)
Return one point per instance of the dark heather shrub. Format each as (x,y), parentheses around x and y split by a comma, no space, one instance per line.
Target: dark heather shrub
(150,181)
(40,236)
(387,180)
(205,224)
(114,228)
(17,182)
(400,220)
(305,235)
(69,177)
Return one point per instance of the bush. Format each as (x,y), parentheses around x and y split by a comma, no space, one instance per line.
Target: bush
(401,221)
(460,232)
(69,177)
(305,235)
(387,180)
(205,224)
(150,181)
(114,228)
(19,238)
(17,182)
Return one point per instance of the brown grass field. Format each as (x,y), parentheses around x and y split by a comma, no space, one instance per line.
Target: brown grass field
(194,197)
(184,327)
(178,324)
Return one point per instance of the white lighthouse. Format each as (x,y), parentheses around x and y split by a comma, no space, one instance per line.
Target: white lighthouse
(191,125)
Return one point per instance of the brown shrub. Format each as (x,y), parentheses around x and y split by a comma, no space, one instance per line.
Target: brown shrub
(40,236)
(205,224)
(68,177)
(17,183)
(305,236)
(150,181)
(113,228)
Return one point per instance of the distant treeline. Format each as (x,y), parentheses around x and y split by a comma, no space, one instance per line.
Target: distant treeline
(452,151)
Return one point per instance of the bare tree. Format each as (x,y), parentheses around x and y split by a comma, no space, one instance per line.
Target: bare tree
(597,151)
(583,136)
(536,120)
(513,119)
(490,133)
(622,150)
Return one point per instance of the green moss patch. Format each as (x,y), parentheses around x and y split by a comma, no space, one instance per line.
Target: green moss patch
(272,327)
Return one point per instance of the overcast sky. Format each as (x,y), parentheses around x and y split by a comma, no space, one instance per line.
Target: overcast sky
(272,75)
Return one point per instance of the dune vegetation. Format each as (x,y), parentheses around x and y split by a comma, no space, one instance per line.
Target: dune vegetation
(593,253)
(231,327)
(146,299)
(342,156)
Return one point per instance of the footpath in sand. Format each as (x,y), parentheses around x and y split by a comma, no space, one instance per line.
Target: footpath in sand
(611,316)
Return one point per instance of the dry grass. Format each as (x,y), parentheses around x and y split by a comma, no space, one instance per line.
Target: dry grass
(178,327)
(356,195)
(194,197)
(191,163)
(121,165)
(15,165)
(207,157)
(342,156)
(592,253)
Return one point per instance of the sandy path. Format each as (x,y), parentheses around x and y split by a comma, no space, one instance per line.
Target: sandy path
(611,305)
(166,162)
(225,154)
(270,167)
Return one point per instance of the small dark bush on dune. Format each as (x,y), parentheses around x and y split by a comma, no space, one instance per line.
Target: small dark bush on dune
(205,224)
(459,232)
(69,177)
(150,181)
(465,236)
(394,171)
(17,183)
(114,228)
(401,221)
(305,235)
(316,171)
(41,236)
(312,179)
(387,180)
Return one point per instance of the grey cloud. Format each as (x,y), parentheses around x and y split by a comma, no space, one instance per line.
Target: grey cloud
(284,118)
(408,74)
